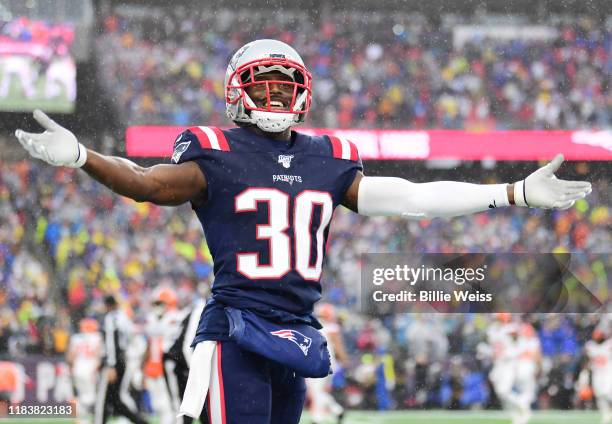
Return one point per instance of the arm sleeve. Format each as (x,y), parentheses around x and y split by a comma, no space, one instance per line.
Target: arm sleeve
(388,196)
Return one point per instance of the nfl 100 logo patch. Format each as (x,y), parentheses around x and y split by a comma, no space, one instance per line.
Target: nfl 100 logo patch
(285,160)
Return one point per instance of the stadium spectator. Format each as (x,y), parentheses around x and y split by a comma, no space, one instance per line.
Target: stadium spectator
(168,69)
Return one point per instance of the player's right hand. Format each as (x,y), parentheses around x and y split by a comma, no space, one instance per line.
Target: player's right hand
(57,146)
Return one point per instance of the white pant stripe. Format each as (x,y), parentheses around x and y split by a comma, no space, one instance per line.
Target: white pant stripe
(212,137)
(216,408)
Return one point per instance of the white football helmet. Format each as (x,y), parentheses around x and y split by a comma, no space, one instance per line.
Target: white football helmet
(258,57)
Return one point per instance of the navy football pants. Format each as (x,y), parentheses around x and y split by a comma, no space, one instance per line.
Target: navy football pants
(247,388)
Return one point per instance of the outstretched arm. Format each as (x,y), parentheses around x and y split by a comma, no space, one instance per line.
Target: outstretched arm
(168,185)
(159,184)
(386,196)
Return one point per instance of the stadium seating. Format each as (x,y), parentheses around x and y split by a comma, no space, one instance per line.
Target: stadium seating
(169,69)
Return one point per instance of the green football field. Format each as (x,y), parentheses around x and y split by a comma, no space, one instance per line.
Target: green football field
(420,417)
(464,417)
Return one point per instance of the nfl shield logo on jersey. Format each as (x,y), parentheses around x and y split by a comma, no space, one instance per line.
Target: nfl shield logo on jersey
(296,337)
(285,160)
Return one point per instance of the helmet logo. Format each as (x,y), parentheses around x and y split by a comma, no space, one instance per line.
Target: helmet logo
(277,55)
(238,55)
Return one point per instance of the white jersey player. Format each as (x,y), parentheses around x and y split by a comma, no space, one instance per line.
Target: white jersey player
(61,74)
(528,362)
(84,355)
(516,355)
(163,327)
(322,404)
(599,353)
(19,69)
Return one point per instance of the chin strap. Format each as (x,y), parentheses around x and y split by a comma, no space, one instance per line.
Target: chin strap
(272,121)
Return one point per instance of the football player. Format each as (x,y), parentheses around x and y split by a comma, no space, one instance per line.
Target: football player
(84,355)
(501,336)
(599,353)
(265,195)
(21,67)
(528,363)
(162,329)
(515,350)
(12,385)
(113,395)
(323,406)
(60,76)
(178,358)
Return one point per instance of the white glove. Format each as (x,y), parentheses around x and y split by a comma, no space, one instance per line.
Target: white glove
(57,146)
(543,190)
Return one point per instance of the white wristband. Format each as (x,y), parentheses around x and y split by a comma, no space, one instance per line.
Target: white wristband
(81,157)
(520,195)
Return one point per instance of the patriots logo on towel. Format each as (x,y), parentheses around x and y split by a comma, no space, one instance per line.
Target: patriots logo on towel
(296,337)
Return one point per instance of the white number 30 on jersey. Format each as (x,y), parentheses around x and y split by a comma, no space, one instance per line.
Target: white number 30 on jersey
(275,232)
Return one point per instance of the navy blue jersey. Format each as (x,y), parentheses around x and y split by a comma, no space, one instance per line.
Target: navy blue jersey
(267,212)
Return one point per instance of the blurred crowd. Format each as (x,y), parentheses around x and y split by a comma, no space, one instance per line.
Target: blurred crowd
(60,228)
(428,361)
(369,69)
(66,241)
(26,30)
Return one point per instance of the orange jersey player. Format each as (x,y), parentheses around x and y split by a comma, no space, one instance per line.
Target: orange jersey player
(164,325)
(84,355)
(599,352)
(322,404)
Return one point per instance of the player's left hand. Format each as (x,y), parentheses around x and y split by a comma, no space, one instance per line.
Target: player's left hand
(57,146)
(543,190)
